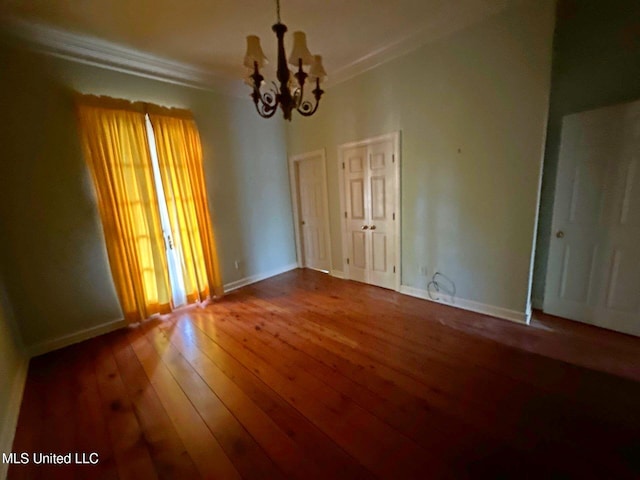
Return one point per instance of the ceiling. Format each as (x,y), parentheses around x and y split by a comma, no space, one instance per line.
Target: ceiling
(352,35)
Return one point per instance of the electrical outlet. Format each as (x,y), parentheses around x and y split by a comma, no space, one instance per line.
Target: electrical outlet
(424,271)
(237,264)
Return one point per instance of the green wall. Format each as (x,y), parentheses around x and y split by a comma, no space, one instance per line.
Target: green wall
(596,63)
(13,361)
(471,108)
(472,112)
(52,246)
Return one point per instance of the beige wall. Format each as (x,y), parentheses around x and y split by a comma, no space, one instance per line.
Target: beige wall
(472,110)
(52,245)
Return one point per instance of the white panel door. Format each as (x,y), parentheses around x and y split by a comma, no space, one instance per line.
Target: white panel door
(381,210)
(313,213)
(357,217)
(593,270)
(370,209)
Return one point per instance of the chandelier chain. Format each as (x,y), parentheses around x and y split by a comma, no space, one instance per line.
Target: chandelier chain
(278,9)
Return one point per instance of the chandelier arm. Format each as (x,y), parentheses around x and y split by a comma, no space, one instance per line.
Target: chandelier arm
(265,110)
(306,108)
(266,103)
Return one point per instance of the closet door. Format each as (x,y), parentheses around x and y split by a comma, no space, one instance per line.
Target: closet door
(381,212)
(357,213)
(370,192)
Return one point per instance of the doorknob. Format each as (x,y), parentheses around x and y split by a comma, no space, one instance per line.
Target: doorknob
(302,222)
(560,234)
(364,227)
(373,227)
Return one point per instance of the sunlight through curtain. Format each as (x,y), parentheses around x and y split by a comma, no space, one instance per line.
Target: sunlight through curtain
(115,145)
(180,160)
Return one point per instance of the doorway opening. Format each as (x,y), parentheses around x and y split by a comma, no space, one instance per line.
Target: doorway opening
(174,259)
(311,210)
(593,266)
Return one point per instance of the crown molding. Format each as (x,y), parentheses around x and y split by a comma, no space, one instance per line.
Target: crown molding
(381,55)
(410,42)
(113,56)
(93,51)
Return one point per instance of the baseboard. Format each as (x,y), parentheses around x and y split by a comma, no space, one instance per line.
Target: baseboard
(9,424)
(76,337)
(499,312)
(243,282)
(65,340)
(337,273)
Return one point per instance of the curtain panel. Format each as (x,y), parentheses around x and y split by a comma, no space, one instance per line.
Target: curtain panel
(180,159)
(114,141)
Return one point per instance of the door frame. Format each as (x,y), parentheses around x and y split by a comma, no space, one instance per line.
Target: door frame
(395,138)
(295,201)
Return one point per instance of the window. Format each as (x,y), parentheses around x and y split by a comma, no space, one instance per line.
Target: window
(146,163)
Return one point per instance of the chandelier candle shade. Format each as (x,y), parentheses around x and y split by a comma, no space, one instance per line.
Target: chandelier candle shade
(290,94)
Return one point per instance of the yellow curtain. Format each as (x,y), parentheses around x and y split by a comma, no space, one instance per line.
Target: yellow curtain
(180,160)
(114,141)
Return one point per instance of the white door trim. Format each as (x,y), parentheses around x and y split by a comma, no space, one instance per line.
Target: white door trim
(294,201)
(395,137)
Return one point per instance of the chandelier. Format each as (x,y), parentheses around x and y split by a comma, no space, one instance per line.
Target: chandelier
(290,94)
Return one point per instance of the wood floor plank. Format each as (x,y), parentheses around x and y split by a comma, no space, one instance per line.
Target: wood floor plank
(438,434)
(308,376)
(203,447)
(527,368)
(473,444)
(363,435)
(289,457)
(168,452)
(241,448)
(335,460)
(92,435)
(423,365)
(556,417)
(419,361)
(443,324)
(411,333)
(131,452)
(432,392)
(515,396)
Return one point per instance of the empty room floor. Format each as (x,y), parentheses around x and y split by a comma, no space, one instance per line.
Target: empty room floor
(308,376)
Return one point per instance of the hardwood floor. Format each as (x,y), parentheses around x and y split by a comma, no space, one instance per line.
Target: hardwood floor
(307,376)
